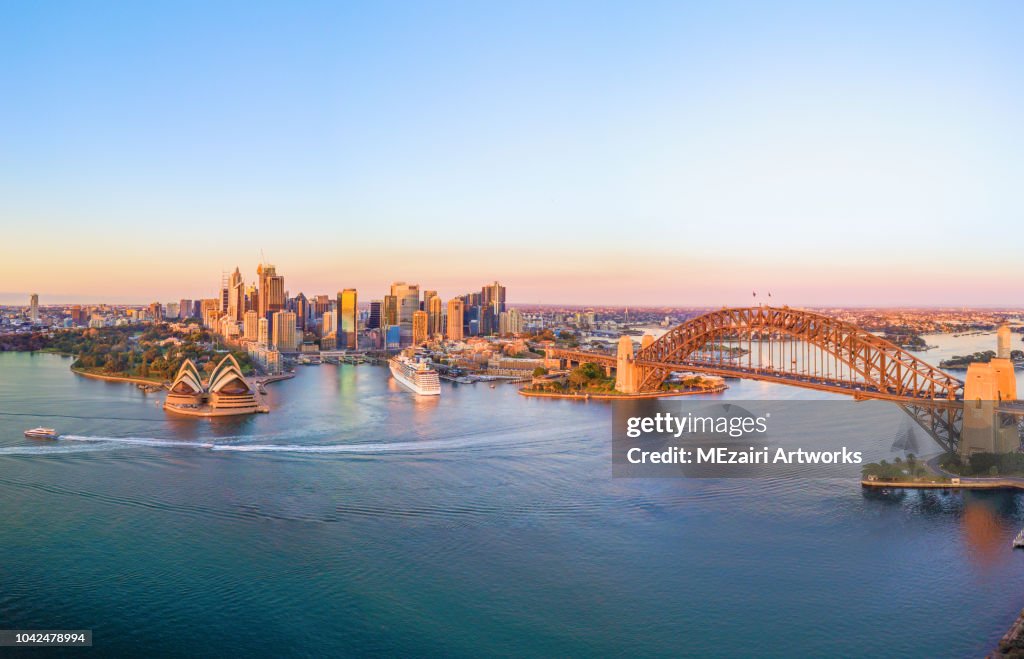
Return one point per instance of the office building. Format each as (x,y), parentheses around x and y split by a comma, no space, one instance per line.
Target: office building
(408,297)
(263,332)
(434,315)
(236,296)
(374,319)
(271,293)
(455,313)
(329,323)
(283,333)
(250,326)
(390,311)
(348,319)
(419,327)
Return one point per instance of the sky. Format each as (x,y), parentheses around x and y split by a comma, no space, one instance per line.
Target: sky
(639,153)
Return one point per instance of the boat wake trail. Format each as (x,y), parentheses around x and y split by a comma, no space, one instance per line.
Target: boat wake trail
(396,447)
(99,443)
(138,441)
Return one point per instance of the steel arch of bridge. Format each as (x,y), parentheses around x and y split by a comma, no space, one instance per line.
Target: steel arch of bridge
(878,367)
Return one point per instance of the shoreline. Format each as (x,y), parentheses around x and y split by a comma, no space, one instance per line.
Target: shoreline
(653,394)
(1012,642)
(118,378)
(978,484)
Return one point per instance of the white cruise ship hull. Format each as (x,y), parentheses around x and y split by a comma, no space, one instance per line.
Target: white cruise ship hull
(430,388)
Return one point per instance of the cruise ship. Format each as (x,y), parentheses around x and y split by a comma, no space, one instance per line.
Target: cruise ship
(415,374)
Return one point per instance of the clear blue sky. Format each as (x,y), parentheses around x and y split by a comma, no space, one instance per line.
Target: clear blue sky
(846,153)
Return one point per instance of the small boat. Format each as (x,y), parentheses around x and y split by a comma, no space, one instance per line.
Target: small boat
(492,386)
(42,433)
(1018,542)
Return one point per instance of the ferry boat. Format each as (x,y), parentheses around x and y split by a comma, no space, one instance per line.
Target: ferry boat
(1018,542)
(415,374)
(42,433)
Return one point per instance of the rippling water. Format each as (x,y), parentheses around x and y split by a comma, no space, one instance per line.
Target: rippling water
(356,518)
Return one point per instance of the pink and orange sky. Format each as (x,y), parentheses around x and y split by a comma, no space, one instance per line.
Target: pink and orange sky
(682,155)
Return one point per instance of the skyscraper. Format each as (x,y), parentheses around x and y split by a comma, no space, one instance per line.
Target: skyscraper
(271,293)
(283,331)
(434,315)
(251,327)
(408,303)
(374,320)
(301,311)
(184,308)
(427,295)
(455,309)
(236,296)
(493,296)
(419,327)
(390,311)
(262,332)
(492,304)
(329,323)
(33,309)
(348,319)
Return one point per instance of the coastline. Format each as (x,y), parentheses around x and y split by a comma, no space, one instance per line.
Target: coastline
(653,394)
(118,378)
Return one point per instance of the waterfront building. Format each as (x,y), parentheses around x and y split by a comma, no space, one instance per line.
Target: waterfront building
(393,338)
(226,392)
(419,327)
(33,309)
(329,341)
(374,319)
(283,331)
(455,312)
(250,327)
(348,318)
(408,297)
(265,357)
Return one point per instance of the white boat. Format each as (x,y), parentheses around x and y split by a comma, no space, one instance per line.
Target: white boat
(1018,542)
(42,433)
(415,374)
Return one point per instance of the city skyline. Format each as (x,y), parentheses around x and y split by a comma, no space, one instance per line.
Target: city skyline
(671,155)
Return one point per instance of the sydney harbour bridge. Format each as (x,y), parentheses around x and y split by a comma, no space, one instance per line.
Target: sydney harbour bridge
(798,348)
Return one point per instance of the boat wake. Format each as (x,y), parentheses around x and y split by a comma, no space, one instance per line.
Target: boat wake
(139,441)
(100,443)
(427,445)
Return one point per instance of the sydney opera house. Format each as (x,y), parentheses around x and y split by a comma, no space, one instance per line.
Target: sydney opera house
(224,393)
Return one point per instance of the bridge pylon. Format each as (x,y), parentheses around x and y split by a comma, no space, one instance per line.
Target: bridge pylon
(627,374)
